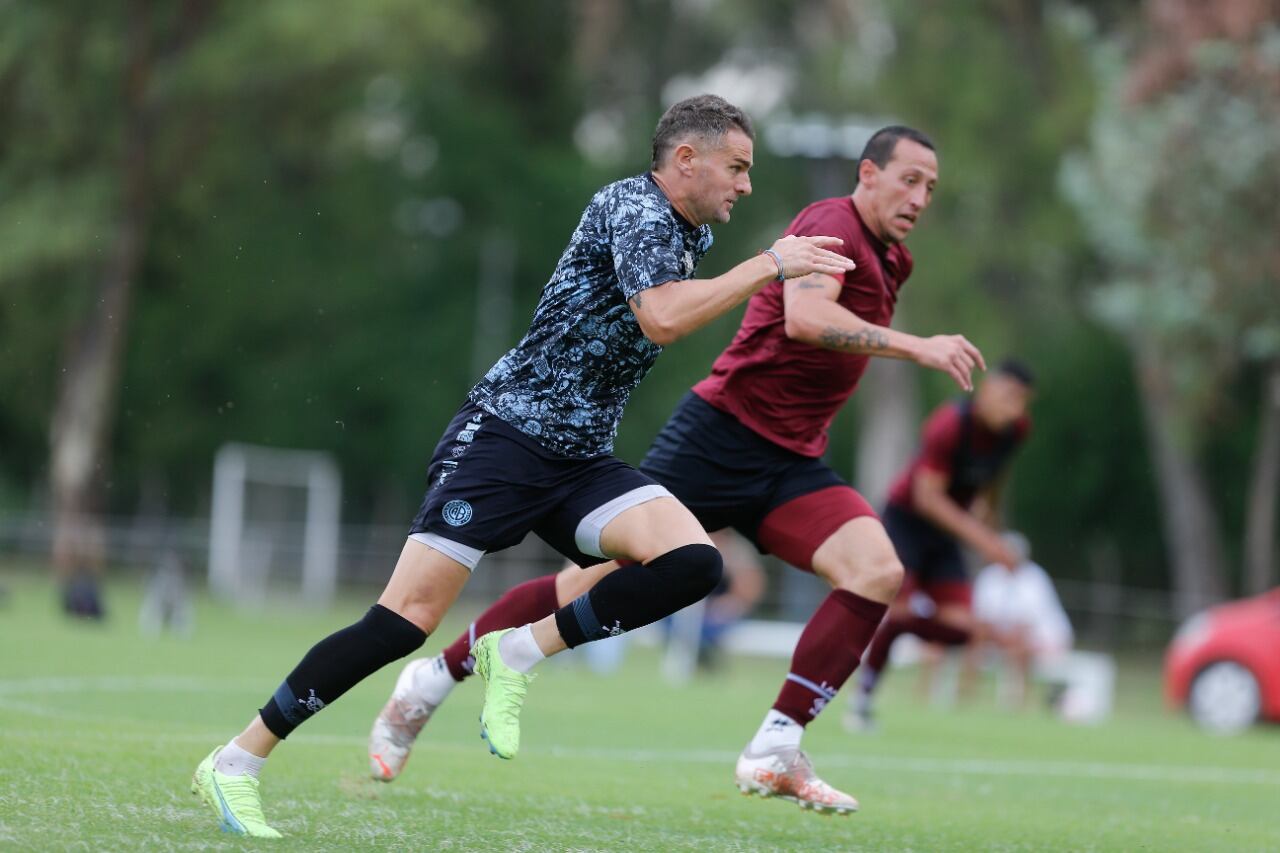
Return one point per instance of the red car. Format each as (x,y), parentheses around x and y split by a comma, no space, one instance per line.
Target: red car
(1223,665)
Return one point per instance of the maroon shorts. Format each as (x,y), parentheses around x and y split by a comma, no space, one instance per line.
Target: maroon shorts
(932,558)
(728,476)
(796,529)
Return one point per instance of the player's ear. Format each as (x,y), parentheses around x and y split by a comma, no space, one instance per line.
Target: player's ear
(683,157)
(867,172)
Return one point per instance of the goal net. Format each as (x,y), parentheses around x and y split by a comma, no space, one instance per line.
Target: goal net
(274,525)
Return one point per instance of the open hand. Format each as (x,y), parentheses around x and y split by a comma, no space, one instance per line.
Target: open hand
(953,355)
(805,255)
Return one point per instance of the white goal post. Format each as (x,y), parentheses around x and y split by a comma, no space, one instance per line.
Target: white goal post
(242,548)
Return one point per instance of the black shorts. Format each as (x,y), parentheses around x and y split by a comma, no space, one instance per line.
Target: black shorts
(726,474)
(932,555)
(491,484)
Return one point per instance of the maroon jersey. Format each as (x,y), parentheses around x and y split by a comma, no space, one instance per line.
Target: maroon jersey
(789,391)
(956,444)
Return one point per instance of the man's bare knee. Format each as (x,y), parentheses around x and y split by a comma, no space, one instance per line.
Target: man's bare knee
(423,585)
(886,574)
(878,578)
(423,612)
(875,573)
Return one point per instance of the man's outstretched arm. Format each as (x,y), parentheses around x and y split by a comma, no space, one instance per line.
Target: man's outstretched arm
(672,310)
(814,316)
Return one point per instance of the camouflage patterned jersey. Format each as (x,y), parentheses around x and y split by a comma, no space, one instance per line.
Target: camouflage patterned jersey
(567,381)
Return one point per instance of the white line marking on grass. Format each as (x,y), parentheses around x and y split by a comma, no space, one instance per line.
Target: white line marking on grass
(104,684)
(960,766)
(118,684)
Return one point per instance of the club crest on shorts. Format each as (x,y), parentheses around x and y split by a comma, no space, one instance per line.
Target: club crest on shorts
(456,513)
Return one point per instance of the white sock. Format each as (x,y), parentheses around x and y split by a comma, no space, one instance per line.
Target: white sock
(235,760)
(778,731)
(427,681)
(519,650)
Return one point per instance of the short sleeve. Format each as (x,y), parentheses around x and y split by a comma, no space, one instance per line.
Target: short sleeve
(940,440)
(826,219)
(646,241)
(823,220)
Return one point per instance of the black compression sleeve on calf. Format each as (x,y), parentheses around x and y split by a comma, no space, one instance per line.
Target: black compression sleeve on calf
(636,595)
(337,663)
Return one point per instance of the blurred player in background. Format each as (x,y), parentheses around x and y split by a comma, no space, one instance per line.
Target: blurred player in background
(1022,620)
(1018,615)
(743,450)
(530,450)
(948,496)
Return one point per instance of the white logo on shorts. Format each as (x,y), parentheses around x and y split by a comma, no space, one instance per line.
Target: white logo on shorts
(456,513)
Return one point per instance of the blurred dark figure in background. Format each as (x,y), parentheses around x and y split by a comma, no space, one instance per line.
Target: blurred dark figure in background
(166,606)
(82,596)
(947,497)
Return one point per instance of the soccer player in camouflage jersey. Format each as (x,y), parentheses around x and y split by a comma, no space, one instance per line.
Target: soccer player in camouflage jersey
(743,449)
(530,450)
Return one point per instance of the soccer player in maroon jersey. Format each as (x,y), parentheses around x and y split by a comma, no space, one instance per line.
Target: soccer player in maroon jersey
(947,496)
(743,450)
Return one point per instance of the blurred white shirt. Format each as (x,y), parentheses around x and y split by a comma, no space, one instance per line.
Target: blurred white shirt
(1025,598)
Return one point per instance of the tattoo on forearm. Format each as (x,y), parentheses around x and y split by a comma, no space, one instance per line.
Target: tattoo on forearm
(810,282)
(863,340)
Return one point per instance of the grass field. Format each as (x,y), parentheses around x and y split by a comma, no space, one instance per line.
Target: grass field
(100,729)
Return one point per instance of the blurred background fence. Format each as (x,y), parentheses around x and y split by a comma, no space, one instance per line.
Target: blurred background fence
(1105,614)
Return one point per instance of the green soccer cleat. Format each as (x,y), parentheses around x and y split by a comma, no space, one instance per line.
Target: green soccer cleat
(234,799)
(504,690)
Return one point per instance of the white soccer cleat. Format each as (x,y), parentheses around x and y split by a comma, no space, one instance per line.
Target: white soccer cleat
(788,773)
(398,725)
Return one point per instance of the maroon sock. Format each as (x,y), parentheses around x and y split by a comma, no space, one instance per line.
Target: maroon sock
(522,604)
(933,631)
(927,629)
(827,654)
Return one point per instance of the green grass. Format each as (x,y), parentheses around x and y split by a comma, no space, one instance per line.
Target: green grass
(100,729)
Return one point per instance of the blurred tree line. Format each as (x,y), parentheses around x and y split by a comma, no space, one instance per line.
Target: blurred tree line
(313,224)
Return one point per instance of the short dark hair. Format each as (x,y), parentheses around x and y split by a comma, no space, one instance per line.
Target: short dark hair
(1017,370)
(880,147)
(707,116)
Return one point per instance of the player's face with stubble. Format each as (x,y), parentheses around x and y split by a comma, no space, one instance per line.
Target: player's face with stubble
(903,189)
(722,178)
